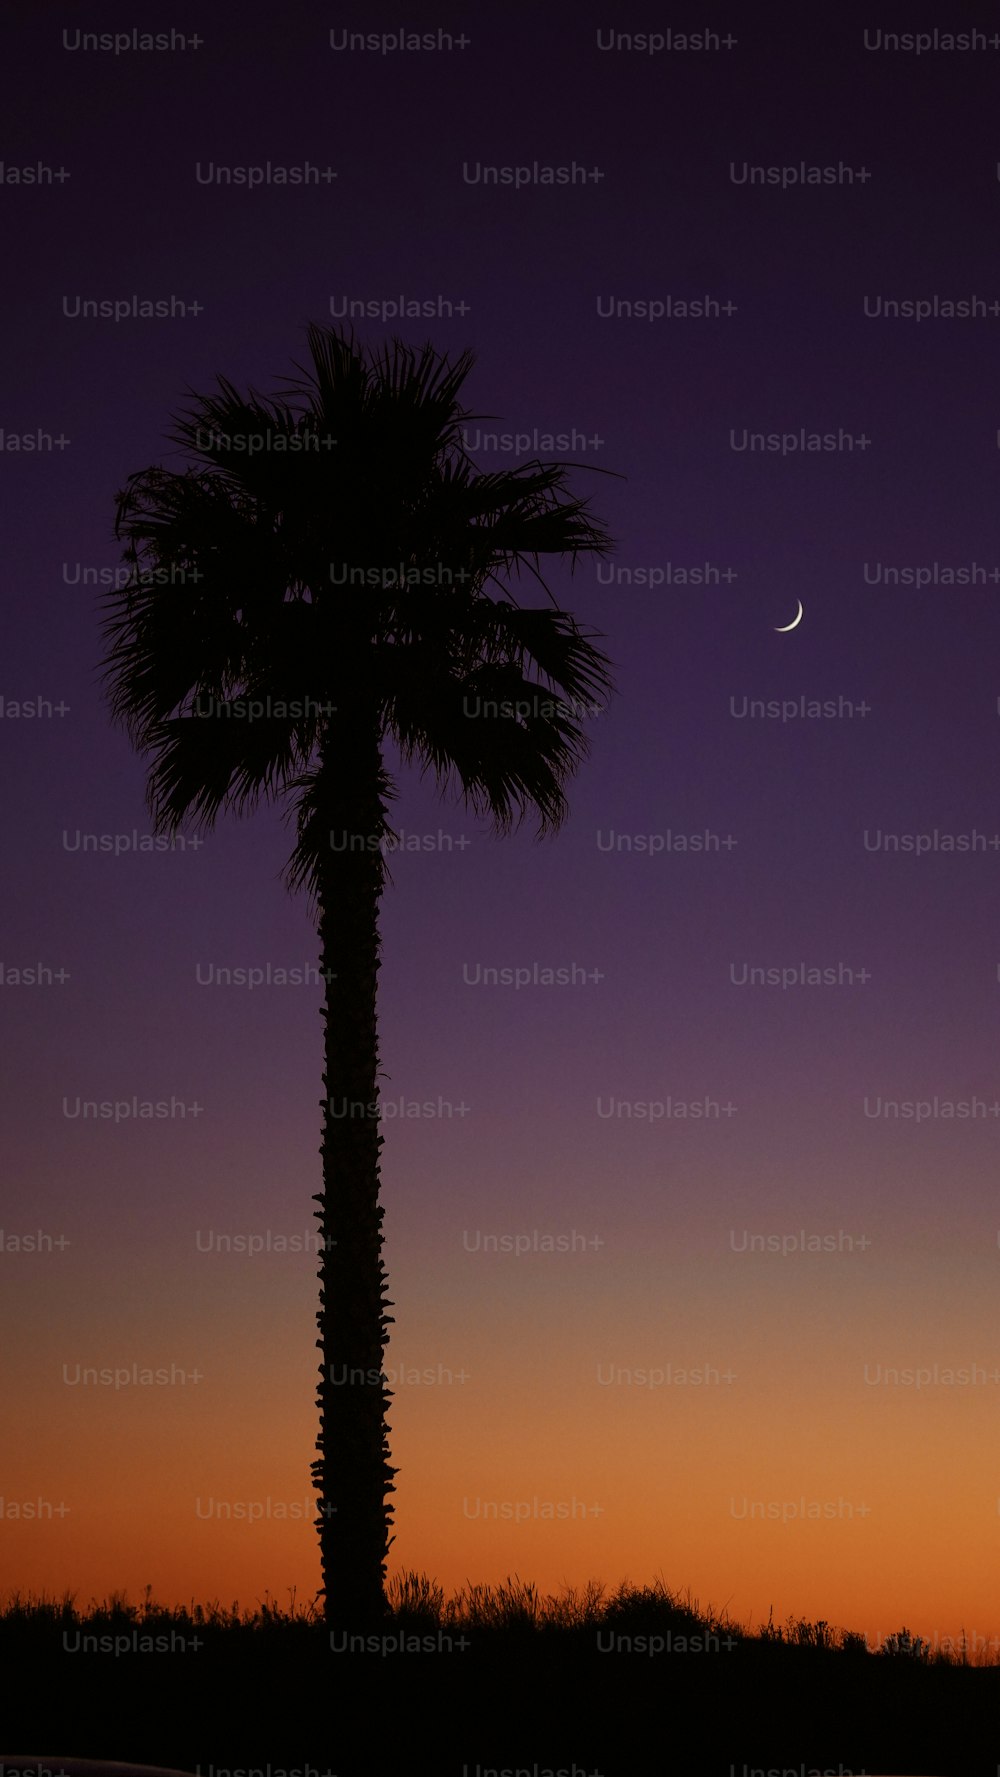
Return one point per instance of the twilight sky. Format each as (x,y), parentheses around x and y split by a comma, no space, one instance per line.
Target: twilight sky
(664,1392)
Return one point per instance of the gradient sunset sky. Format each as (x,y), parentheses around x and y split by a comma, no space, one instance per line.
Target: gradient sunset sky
(797,1473)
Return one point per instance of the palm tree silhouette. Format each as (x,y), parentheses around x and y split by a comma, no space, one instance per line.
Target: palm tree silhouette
(313,585)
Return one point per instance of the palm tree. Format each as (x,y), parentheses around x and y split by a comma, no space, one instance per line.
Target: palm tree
(312,586)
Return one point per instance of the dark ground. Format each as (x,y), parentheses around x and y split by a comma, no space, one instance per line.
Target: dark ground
(289,1702)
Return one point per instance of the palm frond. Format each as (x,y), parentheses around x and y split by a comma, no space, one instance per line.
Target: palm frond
(243,590)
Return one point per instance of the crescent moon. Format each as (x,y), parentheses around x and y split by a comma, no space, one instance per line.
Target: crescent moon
(782,629)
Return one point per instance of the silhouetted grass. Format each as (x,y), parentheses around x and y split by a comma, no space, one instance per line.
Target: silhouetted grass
(507,1612)
(498,1676)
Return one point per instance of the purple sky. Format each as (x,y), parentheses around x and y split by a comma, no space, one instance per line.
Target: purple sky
(668,219)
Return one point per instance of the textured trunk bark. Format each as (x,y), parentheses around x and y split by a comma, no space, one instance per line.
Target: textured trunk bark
(352,1473)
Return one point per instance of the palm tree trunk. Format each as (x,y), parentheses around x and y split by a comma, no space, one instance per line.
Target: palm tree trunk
(352,1473)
